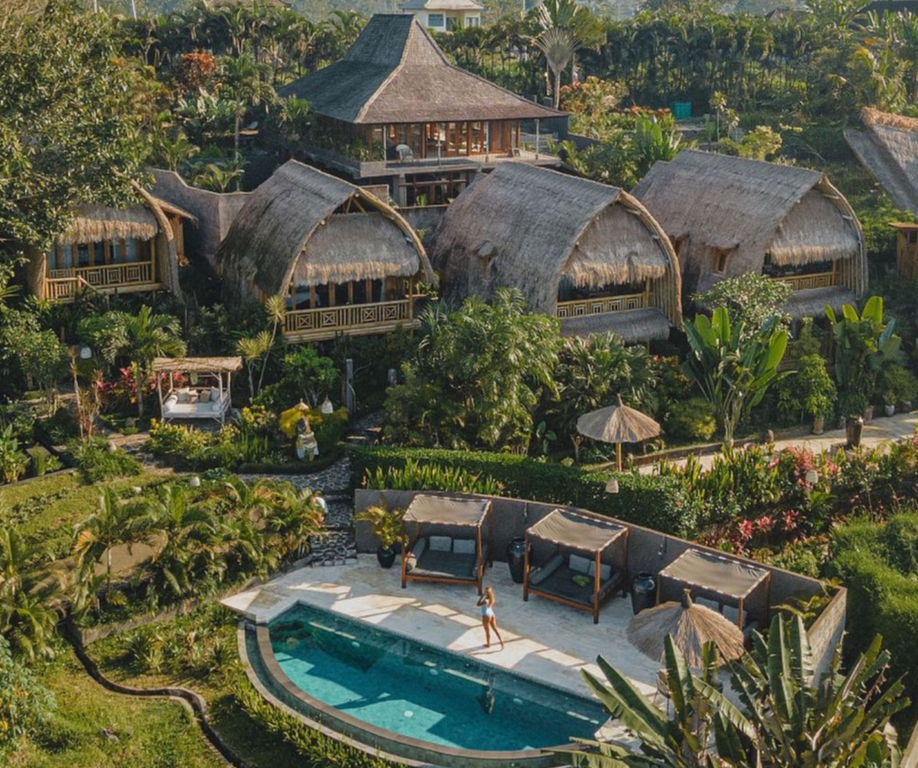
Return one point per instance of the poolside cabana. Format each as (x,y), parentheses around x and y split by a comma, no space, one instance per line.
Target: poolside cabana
(729,216)
(446,540)
(209,397)
(588,564)
(719,583)
(587,253)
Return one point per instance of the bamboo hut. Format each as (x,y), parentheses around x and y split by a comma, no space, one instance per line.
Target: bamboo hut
(588,253)
(135,249)
(728,216)
(888,148)
(394,110)
(344,260)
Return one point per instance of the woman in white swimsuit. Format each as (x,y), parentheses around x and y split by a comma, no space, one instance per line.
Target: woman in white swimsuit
(488,619)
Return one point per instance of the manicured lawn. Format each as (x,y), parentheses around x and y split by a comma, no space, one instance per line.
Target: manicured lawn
(97,729)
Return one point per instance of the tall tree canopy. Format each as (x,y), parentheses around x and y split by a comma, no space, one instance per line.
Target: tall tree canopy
(71,113)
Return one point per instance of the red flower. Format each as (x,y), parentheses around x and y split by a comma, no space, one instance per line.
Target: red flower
(745,530)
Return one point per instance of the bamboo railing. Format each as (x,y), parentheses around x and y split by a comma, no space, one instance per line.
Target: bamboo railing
(602,305)
(808,282)
(350,320)
(63,284)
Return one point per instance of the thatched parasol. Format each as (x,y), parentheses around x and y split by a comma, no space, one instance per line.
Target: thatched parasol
(690,625)
(617,424)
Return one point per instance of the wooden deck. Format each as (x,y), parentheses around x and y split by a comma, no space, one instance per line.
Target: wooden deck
(64,284)
(602,305)
(349,320)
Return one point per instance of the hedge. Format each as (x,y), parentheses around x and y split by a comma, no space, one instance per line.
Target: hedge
(877,564)
(655,502)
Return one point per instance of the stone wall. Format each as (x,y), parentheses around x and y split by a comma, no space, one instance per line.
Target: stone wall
(214,212)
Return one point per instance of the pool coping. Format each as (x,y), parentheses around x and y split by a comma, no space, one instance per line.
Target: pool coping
(371,738)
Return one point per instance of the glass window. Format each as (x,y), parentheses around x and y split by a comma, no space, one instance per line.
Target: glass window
(434,19)
(453,23)
(132,252)
(83,255)
(472,21)
(64,256)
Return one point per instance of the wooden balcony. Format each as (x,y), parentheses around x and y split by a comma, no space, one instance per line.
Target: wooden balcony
(602,305)
(350,320)
(808,282)
(64,284)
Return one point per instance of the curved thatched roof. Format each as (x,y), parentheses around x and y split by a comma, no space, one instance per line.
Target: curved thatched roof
(96,223)
(888,149)
(292,225)
(395,73)
(527,227)
(752,208)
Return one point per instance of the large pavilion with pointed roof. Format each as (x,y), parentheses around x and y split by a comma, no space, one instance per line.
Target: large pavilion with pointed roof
(394,110)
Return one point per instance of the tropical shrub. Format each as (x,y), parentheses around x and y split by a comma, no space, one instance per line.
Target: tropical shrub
(13,461)
(691,421)
(752,299)
(431,477)
(897,384)
(96,461)
(809,391)
(25,705)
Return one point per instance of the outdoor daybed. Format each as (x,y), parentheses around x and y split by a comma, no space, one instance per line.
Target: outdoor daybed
(199,400)
(444,540)
(722,584)
(579,573)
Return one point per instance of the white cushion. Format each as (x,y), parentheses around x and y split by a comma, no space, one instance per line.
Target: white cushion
(183,397)
(579,564)
(731,613)
(205,395)
(465,546)
(171,400)
(216,407)
(712,604)
(605,571)
(441,544)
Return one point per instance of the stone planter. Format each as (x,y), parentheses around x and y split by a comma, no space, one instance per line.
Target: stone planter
(854,429)
(819,425)
(889,410)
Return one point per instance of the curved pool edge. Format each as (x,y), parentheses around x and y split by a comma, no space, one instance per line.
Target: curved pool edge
(365,736)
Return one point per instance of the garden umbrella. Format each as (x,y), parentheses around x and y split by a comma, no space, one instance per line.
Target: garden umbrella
(690,625)
(617,424)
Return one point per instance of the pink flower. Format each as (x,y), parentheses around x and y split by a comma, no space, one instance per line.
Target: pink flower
(764,524)
(745,530)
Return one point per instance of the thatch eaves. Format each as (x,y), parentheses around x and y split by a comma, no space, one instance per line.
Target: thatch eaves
(289,226)
(396,73)
(750,209)
(888,149)
(527,227)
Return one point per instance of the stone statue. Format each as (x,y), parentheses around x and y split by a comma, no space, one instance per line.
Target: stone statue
(306,446)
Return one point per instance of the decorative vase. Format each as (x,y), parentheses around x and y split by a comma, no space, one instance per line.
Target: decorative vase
(905,406)
(889,410)
(643,592)
(386,557)
(819,425)
(868,414)
(854,429)
(516,559)
(327,406)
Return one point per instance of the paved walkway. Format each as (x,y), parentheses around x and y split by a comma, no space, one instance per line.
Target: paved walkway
(878,432)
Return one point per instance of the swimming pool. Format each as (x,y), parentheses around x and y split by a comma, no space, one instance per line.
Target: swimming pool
(421,692)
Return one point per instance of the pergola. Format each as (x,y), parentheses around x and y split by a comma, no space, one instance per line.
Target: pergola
(721,577)
(445,558)
(576,533)
(196,402)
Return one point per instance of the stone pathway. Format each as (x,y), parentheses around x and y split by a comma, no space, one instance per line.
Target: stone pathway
(879,432)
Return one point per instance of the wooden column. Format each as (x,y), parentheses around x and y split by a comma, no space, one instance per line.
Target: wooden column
(597,585)
(526,568)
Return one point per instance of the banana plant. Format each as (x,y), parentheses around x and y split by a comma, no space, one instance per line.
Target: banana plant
(733,372)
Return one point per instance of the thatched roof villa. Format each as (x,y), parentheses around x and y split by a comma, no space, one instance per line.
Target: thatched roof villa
(394,110)
(346,262)
(586,252)
(135,249)
(727,216)
(888,149)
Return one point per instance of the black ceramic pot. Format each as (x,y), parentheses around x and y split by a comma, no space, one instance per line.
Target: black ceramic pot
(854,428)
(516,559)
(386,557)
(643,592)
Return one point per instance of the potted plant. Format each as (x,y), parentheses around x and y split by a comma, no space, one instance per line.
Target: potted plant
(387,527)
(897,385)
(816,390)
(851,406)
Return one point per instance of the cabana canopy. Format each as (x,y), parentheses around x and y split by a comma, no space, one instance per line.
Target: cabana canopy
(197,364)
(196,402)
(568,529)
(447,511)
(712,573)
(580,582)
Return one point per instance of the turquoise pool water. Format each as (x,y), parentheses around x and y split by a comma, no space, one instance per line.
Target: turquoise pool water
(416,690)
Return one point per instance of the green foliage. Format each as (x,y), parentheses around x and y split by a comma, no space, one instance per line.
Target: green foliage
(386,524)
(70,122)
(478,373)
(96,462)
(692,421)
(732,369)
(25,705)
(432,477)
(650,500)
(897,384)
(752,299)
(304,375)
(864,345)
(808,391)
(13,461)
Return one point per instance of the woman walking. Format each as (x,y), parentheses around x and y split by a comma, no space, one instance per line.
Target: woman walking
(488,619)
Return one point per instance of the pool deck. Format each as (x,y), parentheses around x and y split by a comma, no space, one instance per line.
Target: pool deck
(544,640)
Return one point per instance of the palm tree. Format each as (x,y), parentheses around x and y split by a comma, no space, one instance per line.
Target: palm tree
(275,308)
(295,516)
(141,338)
(558,45)
(26,617)
(113,523)
(784,719)
(253,349)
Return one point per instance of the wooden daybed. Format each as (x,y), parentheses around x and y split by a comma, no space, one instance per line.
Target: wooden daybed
(719,583)
(568,576)
(444,540)
(199,400)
